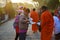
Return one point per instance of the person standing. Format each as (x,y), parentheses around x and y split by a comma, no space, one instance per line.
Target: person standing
(57,24)
(16,23)
(23,24)
(57,27)
(47,24)
(16,26)
(35,18)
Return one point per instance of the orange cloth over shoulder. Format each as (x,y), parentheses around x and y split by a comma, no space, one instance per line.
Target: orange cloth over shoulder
(47,24)
(35,17)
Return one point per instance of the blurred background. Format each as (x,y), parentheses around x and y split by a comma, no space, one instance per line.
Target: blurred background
(9,7)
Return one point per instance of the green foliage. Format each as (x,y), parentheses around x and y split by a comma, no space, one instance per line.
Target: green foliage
(0,10)
(9,9)
(52,4)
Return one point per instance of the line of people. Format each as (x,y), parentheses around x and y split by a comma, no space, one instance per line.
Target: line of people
(47,23)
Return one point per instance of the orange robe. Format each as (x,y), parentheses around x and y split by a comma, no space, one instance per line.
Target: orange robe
(47,23)
(35,17)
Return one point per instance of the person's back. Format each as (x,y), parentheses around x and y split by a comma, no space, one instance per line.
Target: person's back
(22,24)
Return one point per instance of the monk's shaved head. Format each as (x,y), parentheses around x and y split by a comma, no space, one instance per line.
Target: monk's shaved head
(44,7)
(34,9)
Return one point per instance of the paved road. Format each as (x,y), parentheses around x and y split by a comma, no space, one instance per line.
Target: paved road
(7,32)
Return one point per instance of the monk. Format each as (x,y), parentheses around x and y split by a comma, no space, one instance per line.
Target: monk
(47,24)
(35,17)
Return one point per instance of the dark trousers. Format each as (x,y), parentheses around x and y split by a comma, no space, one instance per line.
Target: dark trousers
(22,36)
(57,36)
(17,35)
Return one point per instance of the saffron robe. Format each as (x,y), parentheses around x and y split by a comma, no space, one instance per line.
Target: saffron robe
(35,17)
(47,24)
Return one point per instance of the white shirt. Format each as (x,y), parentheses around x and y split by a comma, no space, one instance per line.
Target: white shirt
(56,24)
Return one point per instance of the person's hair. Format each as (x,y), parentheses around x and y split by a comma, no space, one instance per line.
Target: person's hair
(28,10)
(44,7)
(52,13)
(34,9)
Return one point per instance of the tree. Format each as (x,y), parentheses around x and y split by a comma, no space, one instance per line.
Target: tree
(52,4)
(9,10)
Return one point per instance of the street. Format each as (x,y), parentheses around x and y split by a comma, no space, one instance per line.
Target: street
(7,32)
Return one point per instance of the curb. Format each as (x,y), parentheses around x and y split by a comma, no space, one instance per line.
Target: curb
(3,21)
